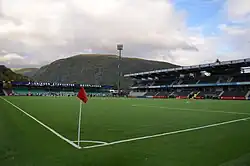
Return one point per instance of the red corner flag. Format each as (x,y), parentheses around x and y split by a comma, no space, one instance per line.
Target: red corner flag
(82,95)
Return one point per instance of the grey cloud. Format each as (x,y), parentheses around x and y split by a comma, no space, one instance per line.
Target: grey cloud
(47,30)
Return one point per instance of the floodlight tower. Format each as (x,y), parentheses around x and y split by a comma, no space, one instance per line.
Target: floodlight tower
(119,49)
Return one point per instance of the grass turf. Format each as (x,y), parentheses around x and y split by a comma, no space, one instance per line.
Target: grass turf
(26,143)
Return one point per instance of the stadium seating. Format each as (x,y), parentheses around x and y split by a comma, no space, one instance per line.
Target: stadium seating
(135,84)
(212,80)
(150,94)
(208,79)
(163,82)
(63,93)
(234,94)
(241,78)
(37,92)
(136,94)
(98,94)
(142,83)
(182,94)
(224,79)
(163,94)
(208,94)
(177,81)
(22,91)
(189,81)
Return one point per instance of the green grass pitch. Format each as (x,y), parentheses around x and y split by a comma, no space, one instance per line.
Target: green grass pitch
(223,138)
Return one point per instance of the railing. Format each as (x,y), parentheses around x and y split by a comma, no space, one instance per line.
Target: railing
(221,94)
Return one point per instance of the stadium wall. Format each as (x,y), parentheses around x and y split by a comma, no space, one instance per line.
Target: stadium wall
(140,96)
(199,97)
(160,97)
(233,98)
(181,97)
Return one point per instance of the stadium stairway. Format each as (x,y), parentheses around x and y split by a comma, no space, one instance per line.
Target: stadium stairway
(221,93)
(171,93)
(7,92)
(230,79)
(157,93)
(195,95)
(247,95)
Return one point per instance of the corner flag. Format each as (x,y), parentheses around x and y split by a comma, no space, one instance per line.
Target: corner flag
(82,95)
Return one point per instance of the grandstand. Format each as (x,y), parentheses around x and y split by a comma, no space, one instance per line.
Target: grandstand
(226,80)
(53,89)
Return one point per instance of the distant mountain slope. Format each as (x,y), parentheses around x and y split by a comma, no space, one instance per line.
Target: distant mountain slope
(29,72)
(95,69)
(7,74)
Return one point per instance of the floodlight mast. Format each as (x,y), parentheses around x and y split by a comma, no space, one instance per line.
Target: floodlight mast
(119,49)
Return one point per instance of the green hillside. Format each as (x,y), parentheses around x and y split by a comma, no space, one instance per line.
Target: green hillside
(29,72)
(7,74)
(95,69)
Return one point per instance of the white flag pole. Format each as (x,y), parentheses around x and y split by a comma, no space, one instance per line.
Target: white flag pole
(79,123)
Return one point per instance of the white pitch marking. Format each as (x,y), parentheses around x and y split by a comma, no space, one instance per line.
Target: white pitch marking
(89,141)
(45,126)
(168,133)
(195,110)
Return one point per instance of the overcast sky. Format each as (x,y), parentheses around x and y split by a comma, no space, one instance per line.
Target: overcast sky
(184,32)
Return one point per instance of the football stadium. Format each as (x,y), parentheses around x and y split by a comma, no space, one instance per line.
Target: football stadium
(194,115)
(228,80)
(124,83)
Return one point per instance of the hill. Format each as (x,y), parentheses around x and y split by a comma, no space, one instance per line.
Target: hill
(95,69)
(7,74)
(29,72)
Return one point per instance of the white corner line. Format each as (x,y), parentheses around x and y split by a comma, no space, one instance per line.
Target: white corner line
(90,141)
(194,110)
(169,133)
(45,126)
